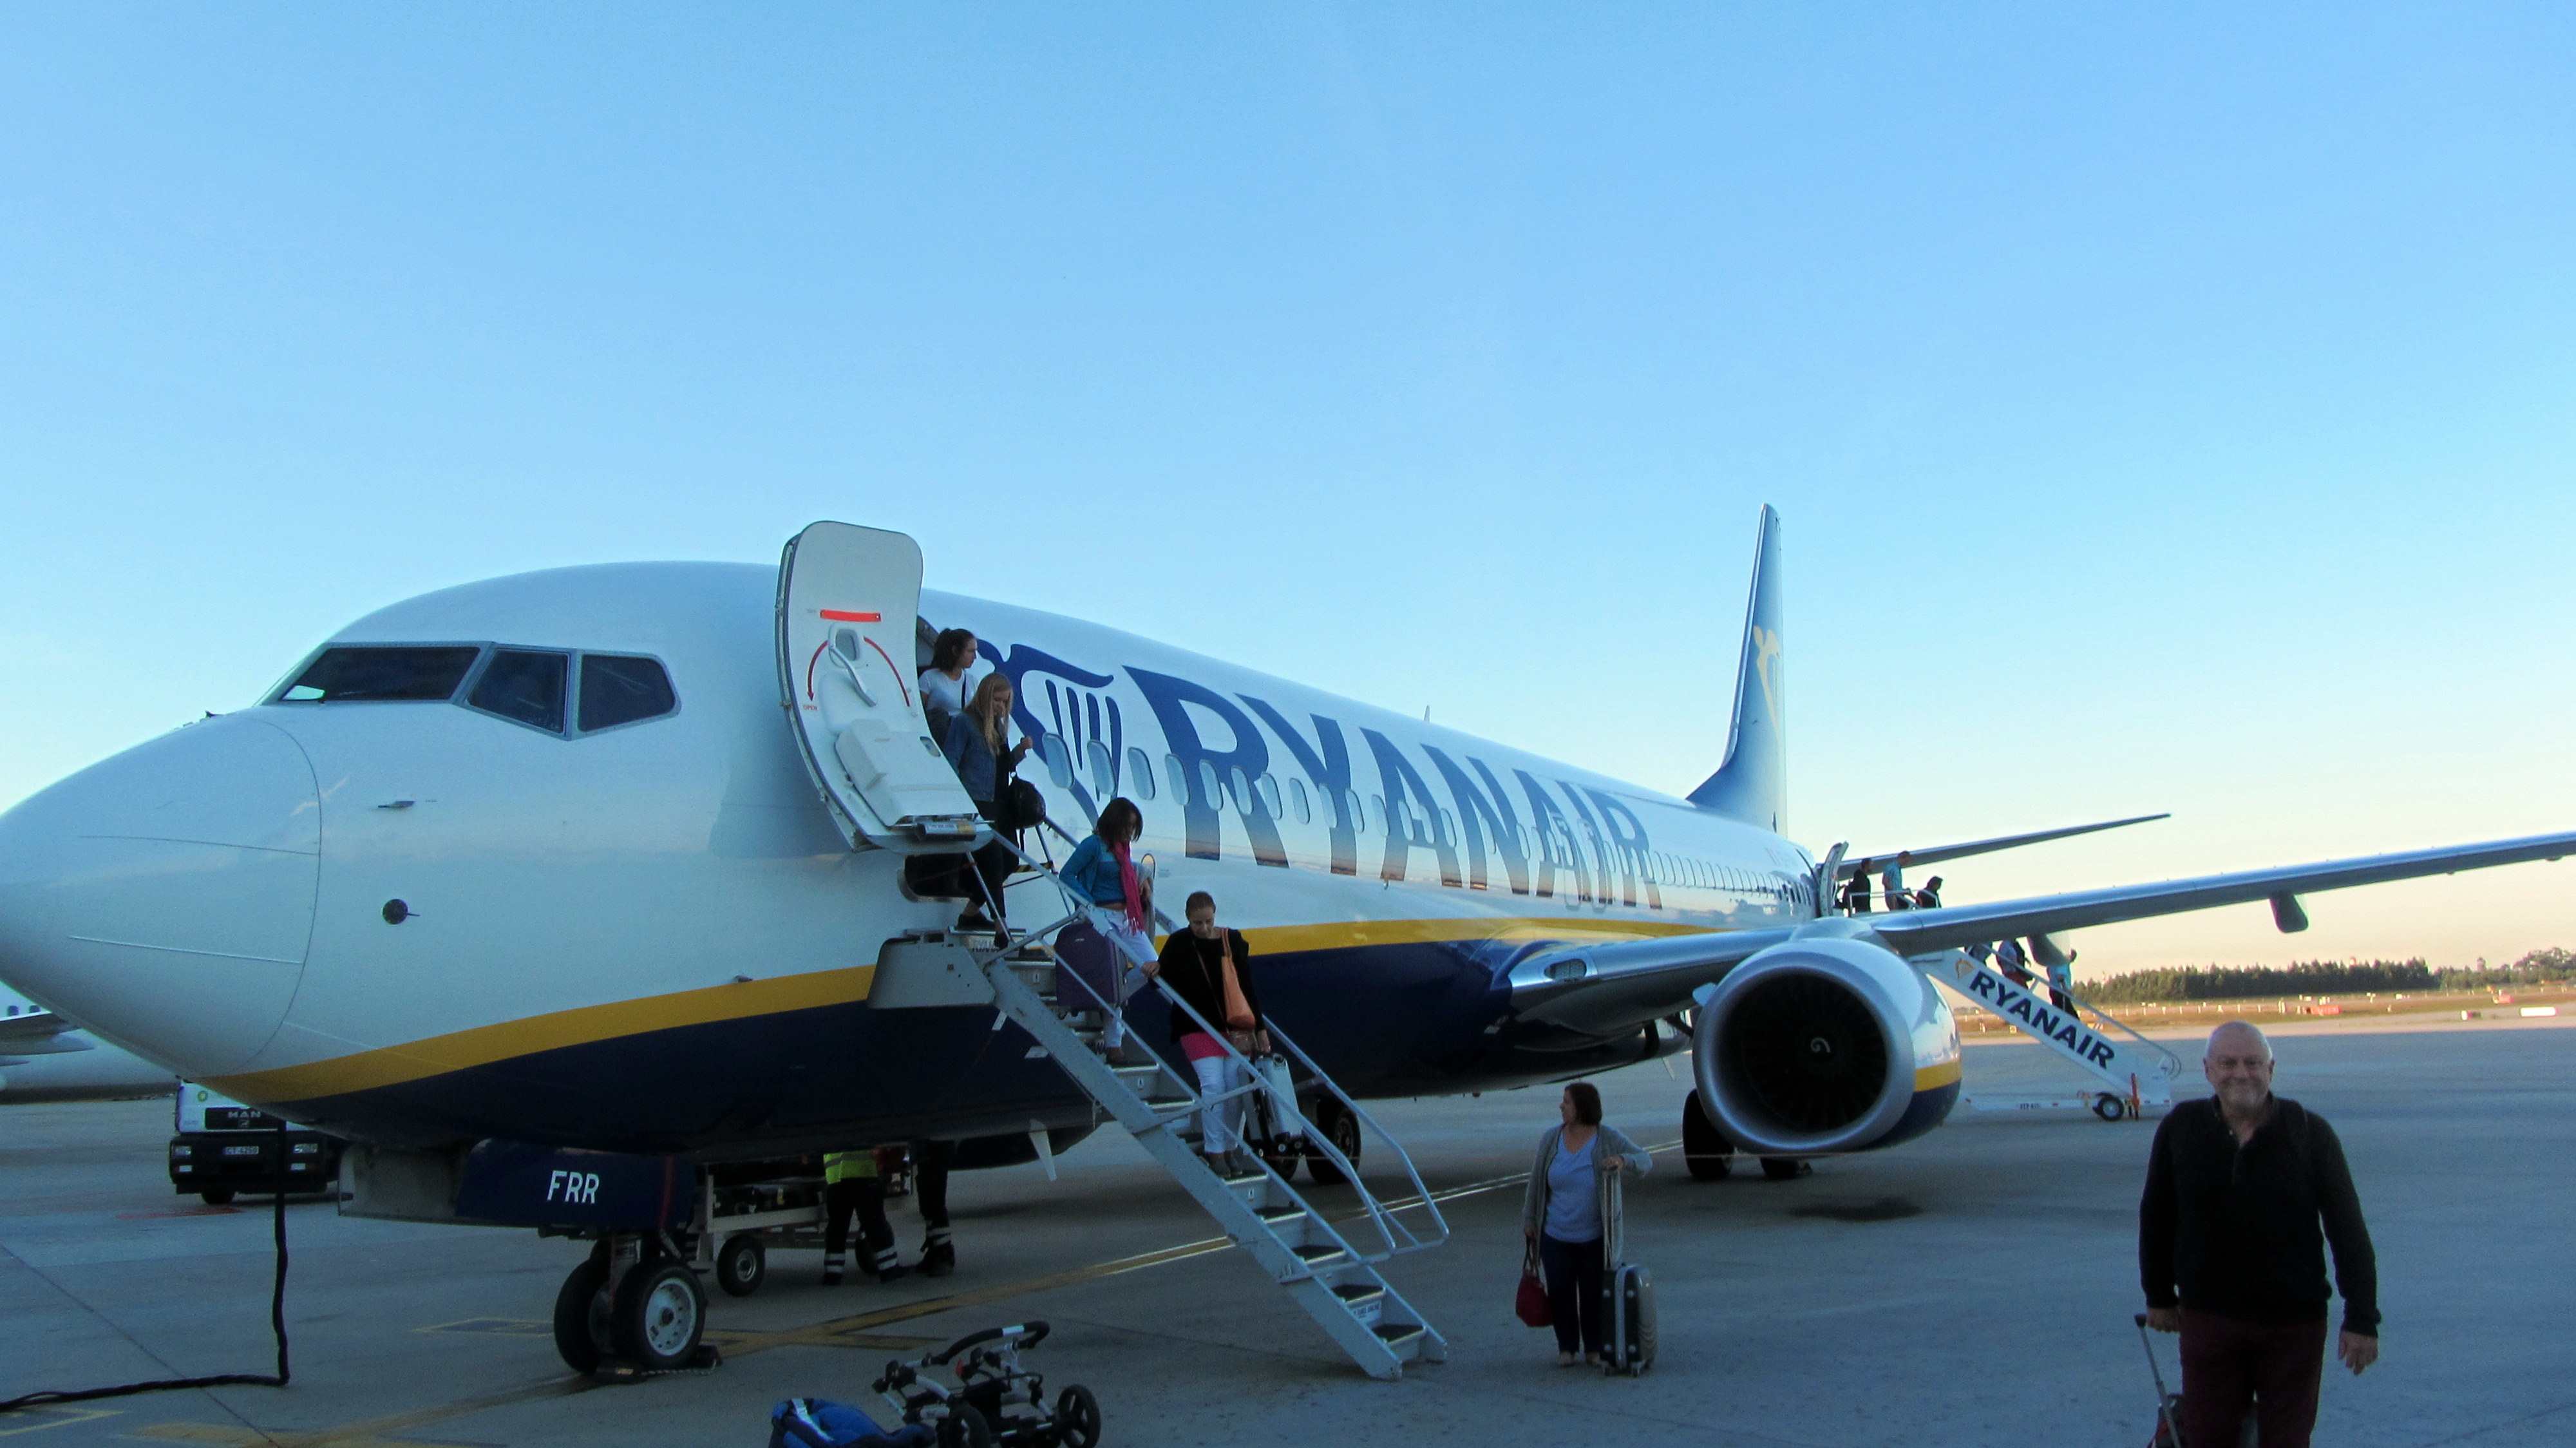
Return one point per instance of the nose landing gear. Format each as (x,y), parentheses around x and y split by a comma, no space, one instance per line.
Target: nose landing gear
(632,1307)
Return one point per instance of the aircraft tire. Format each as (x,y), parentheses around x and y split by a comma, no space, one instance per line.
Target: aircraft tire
(1340,1127)
(1706,1153)
(1784,1169)
(661,1314)
(742,1264)
(580,1316)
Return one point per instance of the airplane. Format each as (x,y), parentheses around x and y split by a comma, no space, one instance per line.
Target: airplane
(46,1058)
(603,858)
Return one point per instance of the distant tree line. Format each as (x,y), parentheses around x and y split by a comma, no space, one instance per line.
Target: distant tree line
(2325,978)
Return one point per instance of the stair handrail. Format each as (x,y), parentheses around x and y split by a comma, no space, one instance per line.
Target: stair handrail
(2173,1063)
(1380,1215)
(1439,1223)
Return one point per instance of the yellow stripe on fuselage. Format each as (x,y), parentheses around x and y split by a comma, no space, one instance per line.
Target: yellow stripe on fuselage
(579,1026)
(583,1025)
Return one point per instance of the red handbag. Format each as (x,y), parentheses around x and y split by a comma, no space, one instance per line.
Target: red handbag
(1531,1305)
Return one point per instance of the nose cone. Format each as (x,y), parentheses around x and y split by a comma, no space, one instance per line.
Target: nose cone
(165,897)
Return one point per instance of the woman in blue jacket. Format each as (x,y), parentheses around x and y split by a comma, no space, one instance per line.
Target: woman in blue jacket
(979,748)
(1102,870)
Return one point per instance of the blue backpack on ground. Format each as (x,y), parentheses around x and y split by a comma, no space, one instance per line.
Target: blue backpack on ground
(814,1423)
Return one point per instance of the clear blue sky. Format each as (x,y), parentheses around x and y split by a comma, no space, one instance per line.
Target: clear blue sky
(2170,406)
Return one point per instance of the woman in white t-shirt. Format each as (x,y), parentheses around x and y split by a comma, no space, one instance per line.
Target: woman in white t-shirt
(943,684)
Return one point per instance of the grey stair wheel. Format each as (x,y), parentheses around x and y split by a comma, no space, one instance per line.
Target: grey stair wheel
(1706,1153)
(659,1316)
(742,1264)
(581,1316)
(2109,1107)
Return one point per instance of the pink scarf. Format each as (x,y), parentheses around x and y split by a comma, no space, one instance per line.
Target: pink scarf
(1127,882)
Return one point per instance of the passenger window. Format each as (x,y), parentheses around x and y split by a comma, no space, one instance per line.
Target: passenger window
(382,675)
(1297,798)
(524,686)
(1351,808)
(1377,814)
(1059,760)
(1448,828)
(1211,793)
(618,689)
(1140,773)
(1267,787)
(1179,777)
(1104,770)
(1243,800)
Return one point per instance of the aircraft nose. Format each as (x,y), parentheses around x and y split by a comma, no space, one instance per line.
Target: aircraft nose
(164,897)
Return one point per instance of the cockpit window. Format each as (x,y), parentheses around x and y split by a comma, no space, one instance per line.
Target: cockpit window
(618,690)
(525,685)
(350,675)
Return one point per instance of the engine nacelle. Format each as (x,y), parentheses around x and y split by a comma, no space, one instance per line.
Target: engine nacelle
(1825,1045)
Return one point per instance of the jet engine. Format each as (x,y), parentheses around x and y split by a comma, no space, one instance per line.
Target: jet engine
(1825,1045)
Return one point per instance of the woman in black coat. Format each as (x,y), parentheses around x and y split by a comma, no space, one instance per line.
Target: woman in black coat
(1210,968)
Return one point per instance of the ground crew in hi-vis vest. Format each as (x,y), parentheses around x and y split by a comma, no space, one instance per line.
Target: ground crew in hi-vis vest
(851,1185)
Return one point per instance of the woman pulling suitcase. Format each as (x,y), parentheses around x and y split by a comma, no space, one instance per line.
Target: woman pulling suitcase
(1562,1213)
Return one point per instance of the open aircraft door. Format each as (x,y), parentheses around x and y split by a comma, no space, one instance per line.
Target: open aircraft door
(847,598)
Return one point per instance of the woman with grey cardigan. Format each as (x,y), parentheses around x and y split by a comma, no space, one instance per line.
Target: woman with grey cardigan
(1562,1213)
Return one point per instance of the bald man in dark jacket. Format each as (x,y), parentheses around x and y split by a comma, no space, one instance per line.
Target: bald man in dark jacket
(2244,1192)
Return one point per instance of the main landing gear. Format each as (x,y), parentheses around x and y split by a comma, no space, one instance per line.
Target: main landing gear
(1709,1156)
(633,1303)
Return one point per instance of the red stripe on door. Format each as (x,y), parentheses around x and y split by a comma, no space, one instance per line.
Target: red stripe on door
(842,616)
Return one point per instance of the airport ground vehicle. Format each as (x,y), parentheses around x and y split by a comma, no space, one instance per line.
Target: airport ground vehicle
(223,1148)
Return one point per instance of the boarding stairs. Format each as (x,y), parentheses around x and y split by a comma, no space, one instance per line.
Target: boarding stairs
(1329,1269)
(2138,1072)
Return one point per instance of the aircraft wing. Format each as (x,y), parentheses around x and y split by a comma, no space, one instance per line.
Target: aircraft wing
(1613,986)
(1850,865)
(40,1033)
(1914,932)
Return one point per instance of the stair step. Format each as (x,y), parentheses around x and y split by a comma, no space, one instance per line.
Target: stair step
(1022,975)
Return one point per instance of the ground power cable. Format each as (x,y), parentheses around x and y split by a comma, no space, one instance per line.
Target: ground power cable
(276,1325)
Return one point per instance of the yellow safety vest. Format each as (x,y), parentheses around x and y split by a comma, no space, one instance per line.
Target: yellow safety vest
(840,1166)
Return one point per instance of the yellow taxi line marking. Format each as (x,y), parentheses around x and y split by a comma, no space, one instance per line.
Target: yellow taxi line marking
(60,1415)
(836,1332)
(823,1333)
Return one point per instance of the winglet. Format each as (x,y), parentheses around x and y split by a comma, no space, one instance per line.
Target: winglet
(1753,784)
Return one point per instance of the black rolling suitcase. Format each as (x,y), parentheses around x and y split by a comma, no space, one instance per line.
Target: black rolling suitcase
(1628,1311)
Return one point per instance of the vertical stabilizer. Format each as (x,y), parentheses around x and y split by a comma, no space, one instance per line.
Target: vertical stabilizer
(1753,784)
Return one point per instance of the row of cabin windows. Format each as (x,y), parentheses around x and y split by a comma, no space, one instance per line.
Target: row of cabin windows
(563,692)
(1264,797)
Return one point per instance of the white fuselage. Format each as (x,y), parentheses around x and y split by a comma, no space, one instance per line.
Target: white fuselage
(654,934)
